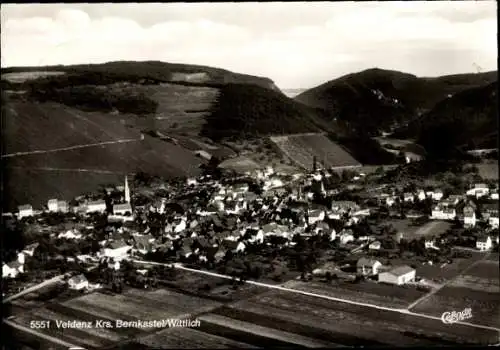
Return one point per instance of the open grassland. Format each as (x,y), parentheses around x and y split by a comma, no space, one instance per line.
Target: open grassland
(240,164)
(351,324)
(438,272)
(364,292)
(185,338)
(488,170)
(432,228)
(302,148)
(485,305)
(484,276)
(29,126)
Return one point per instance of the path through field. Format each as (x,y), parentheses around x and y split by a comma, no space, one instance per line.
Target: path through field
(72,147)
(34,288)
(279,287)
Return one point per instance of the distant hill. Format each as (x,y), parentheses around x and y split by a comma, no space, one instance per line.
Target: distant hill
(155,71)
(292,92)
(467,120)
(378,100)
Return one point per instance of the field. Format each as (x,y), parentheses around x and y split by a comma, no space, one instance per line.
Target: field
(185,338)
(302,148)
(240,164)
(349,324)
(488,170)
(448,271)
(20,77)
(24,123)
(477,289)
(133,304)
(364,292)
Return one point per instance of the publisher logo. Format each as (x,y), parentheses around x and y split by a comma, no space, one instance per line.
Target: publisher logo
(454,316)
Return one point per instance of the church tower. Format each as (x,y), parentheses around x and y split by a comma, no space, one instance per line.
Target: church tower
(127,190)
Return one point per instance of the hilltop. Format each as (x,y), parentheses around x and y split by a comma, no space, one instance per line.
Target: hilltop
(467,120)
(378,100)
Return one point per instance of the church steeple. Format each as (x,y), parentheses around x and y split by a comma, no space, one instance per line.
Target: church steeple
(127,190)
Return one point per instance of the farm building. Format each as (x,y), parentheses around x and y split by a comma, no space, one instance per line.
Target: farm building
(25,211)
(203,154)
(484,243)
(78,282)
(375,245)
(117,250)
(441,213)
(493,221)
(315,216)
(400,275)
(346,237)
(479,190)
(368,267)
(12,269)
(96,206)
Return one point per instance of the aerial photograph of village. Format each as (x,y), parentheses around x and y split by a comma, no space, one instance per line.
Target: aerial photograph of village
(249,175)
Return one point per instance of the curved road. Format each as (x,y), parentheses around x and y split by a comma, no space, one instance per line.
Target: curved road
(278,287)
(34,288)
(71,147)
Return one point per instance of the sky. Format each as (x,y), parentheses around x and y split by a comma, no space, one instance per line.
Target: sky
(298,45)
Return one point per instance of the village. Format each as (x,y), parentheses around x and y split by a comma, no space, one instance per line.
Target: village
(263,225)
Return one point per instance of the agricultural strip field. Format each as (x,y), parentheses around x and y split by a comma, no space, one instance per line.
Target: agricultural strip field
(365,292)
(143,305)
(265,332)
(185,338)
(485,306)
(23,122)
(351,324)
(303,148)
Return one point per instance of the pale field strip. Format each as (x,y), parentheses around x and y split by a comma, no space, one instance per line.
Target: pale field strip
(171,298)
(93,309)
(182,338)
(477,283)
(331,321)
(264,331)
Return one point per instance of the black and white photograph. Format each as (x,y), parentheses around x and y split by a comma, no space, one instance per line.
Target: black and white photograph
(249,175)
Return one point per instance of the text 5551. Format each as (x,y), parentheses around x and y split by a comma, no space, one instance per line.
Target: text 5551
(39,324)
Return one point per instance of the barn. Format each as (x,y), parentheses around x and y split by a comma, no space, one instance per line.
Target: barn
(399,275)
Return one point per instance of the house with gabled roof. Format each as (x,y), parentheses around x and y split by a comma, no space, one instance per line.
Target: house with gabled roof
(78,282)
(368,267)
(25,211)
(117,250)
(484,243)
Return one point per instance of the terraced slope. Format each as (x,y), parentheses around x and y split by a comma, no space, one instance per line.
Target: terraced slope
(302,148)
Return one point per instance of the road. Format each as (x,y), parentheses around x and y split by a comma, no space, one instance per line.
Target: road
(34,288)
(290,290)
(10,155)
(427,296)
(41,335)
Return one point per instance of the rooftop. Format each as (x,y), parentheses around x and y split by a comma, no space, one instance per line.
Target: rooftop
(401,270)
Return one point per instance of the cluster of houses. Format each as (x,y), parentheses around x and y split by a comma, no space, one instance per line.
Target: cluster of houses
(207,233)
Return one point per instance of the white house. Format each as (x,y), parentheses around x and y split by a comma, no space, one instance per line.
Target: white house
(70,234)
(469,217)
(78,282)
(421,195)
(441,213)
(479,190)
(180,226)
(368,267)
(346,237)
(493,221)
(335,215)
(25,211)
(484,243)
(430,244)
(52,205)
(400,275)
(122,209)
(98,206)
(375,245)
(494,194)
(315,216)
(389,201)
(55,205)
(12,269)
(437,195)
(117,250)
(30,249)
(191,181)
(408,197)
